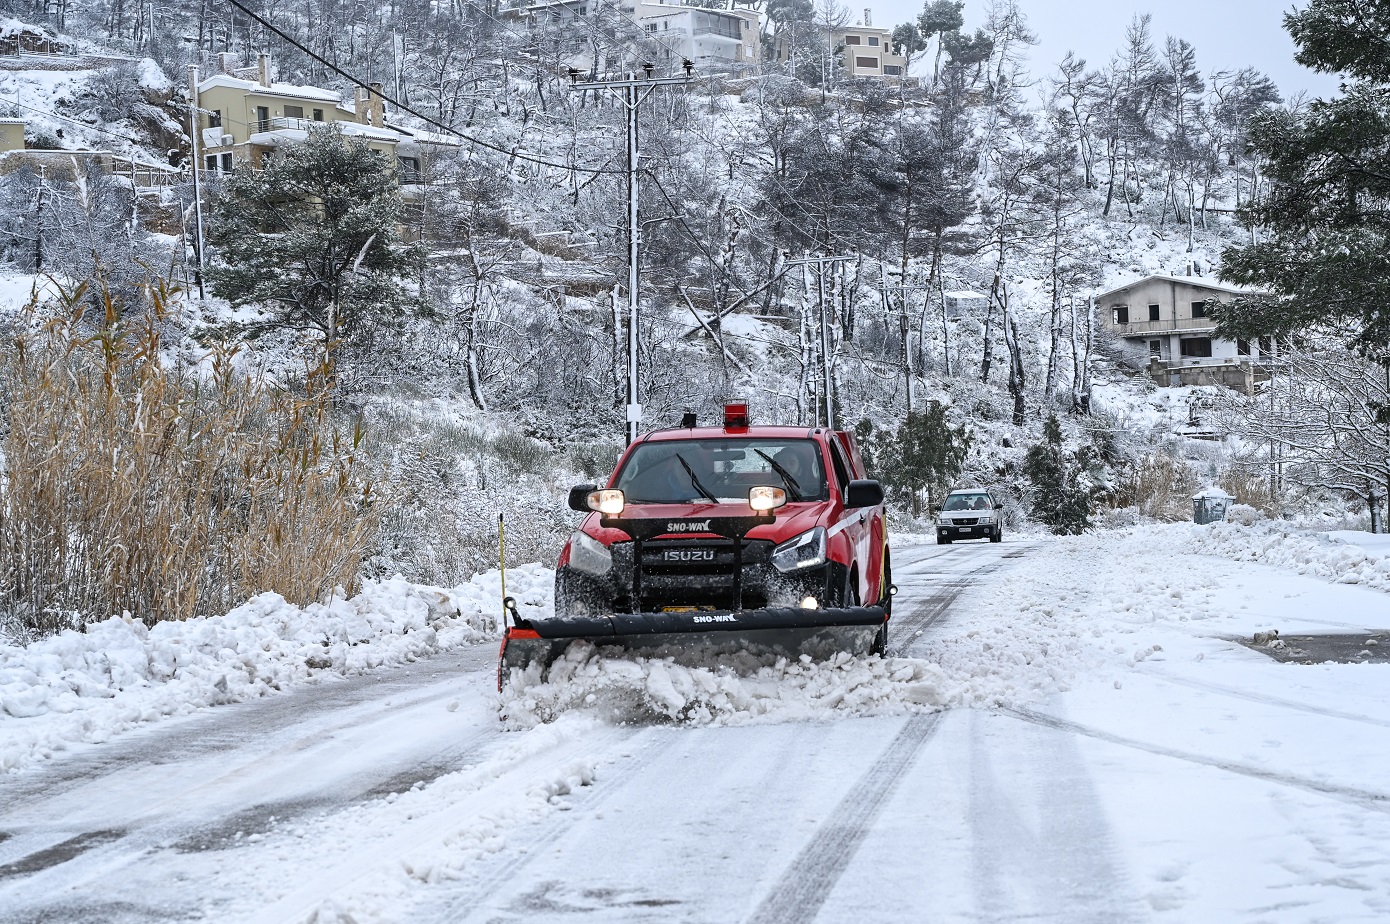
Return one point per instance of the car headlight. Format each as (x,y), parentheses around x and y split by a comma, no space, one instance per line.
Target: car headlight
(805,551)
(589,555)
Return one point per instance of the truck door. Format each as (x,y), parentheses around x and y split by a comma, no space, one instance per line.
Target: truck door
(855,524)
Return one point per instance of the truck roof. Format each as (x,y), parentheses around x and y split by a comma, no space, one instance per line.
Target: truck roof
(706,433)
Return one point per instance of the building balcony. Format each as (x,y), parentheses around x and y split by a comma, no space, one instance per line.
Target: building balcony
(1169,326)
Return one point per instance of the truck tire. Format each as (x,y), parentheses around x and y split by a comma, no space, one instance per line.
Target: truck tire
(942,540)
(997,535)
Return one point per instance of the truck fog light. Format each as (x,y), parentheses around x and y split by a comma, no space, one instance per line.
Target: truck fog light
(810,603)
(764,498)
(609,502)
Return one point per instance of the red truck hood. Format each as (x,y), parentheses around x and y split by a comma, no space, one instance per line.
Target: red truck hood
(791,520)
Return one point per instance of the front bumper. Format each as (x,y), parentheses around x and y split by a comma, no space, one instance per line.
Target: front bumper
(696,574)
(973,530)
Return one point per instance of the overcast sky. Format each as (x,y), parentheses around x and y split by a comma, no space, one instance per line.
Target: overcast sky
(1226,33)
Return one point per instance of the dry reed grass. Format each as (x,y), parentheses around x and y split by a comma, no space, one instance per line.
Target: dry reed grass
(133,487)
(1158,486)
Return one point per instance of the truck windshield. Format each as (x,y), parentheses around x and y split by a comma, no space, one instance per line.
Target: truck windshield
(721,470)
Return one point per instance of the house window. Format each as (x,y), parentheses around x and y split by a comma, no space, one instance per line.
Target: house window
(262,118)
(215,120)
(651,27)
(1199,309)
(1196,347)
(1153,312)
(227,162)
(294,112)
(1242,347)
(210,163)
(1155,347)
(409,169)
(873,40)
(1266,346)
(892,70)
(869,63)
(1121,314)
(851,40)
(318,115)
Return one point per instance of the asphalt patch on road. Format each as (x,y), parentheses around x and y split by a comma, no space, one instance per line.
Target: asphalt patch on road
(1339,648)
(58,853)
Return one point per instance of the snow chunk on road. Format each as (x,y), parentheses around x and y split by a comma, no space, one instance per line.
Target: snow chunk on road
(87,686)
(738,689)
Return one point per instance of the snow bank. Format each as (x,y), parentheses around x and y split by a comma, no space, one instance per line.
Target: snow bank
(87,686)
(1340,558)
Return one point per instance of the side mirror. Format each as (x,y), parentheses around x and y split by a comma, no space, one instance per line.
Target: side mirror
(998,506)
(579,497)
(863,493)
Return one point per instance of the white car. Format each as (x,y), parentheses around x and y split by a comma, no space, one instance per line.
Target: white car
(972,513)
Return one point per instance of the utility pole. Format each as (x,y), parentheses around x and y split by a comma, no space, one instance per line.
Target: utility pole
(820,262)
(197,188)
(635,91)
(905,329)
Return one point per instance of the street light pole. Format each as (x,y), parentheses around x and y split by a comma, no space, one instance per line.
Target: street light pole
(634,91)
(197,186)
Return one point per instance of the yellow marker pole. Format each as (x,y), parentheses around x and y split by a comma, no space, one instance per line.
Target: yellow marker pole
(502,562)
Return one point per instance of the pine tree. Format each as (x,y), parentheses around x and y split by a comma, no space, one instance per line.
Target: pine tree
(1325,220)
(312,240)
(926,454)
(1059,499)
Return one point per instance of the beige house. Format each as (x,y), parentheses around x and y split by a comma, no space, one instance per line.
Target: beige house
(867,51)
(862,51)
(245,114)
(1166,322)
(12,134)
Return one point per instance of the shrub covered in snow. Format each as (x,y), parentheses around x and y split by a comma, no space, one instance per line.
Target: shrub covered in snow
(1243,515)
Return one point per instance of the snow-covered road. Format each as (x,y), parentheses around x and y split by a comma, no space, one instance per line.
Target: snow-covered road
(1085,744)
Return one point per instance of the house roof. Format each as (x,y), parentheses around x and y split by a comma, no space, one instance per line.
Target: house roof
(275,89)
(1199,282)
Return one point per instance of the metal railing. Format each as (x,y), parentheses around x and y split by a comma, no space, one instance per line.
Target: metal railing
(1129,328)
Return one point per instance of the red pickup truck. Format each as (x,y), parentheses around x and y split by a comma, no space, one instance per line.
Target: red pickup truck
(758,536)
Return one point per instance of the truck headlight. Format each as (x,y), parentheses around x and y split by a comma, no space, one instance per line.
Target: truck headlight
(589,555)
(805,551)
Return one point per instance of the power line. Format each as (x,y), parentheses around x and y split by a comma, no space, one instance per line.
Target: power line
(55,115)
(356,81)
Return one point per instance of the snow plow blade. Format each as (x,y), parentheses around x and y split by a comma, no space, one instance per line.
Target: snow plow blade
(691,636)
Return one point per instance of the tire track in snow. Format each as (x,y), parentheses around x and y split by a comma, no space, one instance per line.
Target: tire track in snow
(808,881)
(928,612)
(1271,700)
(1362,798)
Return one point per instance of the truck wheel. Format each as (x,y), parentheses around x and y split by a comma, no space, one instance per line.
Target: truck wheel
(998,535)
(849,593)
(885,590)
(880,645)
(942,540)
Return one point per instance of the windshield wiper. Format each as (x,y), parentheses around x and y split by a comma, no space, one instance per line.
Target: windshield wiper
(787,479)
(695,482)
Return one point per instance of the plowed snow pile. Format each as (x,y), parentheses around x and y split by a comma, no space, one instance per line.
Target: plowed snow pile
(87,686)
(1340,558)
